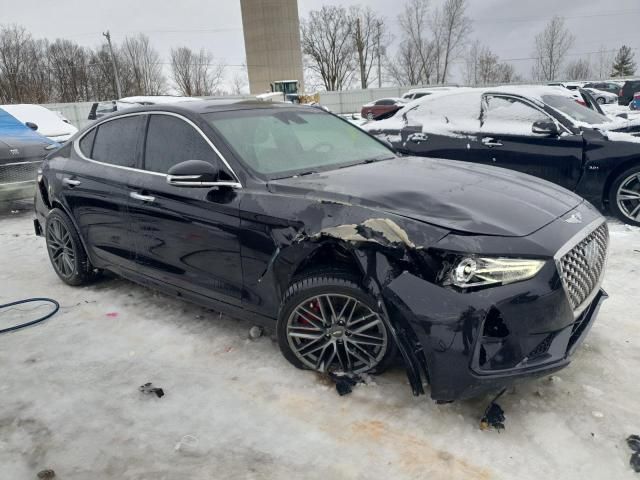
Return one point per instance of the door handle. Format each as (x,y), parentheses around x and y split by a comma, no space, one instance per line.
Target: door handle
(70,182)
(143,198)
(491,142)
(418,137)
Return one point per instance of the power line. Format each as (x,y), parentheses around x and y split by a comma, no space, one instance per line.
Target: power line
(572,17)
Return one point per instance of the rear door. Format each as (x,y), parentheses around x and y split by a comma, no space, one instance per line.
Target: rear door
(507,140)
(94,187)
(186,237)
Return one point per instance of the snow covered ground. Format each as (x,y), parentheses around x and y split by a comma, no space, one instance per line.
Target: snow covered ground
(69,398)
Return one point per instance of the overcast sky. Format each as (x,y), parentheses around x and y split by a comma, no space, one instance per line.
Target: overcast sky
(508,27)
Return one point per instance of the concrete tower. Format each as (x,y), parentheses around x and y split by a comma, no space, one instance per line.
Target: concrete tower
(272,42)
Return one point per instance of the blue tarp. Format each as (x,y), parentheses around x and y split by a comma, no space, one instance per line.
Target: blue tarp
(11,127)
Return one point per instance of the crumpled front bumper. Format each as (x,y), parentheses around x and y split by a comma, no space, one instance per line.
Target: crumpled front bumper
(475,343)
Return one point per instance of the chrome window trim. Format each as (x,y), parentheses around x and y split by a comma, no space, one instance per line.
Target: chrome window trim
(570,245)
(76,146)
(20,163)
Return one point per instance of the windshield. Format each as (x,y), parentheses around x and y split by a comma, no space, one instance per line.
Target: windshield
(284,142)
(574,110)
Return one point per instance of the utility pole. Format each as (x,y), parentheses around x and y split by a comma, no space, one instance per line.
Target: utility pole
(107,35)
(379,34)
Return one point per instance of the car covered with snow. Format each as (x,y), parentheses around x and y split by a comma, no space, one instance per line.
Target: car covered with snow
(21,153)
(290,215)
(536,130)
(48,123)
(601,96)
(416,93)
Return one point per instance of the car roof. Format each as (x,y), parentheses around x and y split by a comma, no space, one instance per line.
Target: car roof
(210,106)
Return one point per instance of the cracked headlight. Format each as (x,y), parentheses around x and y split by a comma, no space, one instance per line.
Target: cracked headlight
(484,271)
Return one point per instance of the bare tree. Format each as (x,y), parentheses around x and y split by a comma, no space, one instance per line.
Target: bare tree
(368,32)
(143,65)
(483,67)
(327,39)
(451,27)
(23,69)
(195,74)
(68,68)
(603,63)
(417,46)
(551,47)
(240,82)
(579,69)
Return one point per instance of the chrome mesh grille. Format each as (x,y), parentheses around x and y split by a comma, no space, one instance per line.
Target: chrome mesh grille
(581,267)
(19,172)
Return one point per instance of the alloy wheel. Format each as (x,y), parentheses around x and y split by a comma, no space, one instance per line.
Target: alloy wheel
(628,197)
(339,333)
(60,247)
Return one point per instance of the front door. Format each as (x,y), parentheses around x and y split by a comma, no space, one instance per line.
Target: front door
(185,236)
(507,140)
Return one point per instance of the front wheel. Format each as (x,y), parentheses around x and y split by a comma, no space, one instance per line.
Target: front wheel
(327,323)
(601,100)
(624,196)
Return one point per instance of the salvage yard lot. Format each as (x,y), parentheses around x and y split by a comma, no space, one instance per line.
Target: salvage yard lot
(70,400)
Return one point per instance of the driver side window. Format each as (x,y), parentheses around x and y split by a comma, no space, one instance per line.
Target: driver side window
(509,116)
(171,140)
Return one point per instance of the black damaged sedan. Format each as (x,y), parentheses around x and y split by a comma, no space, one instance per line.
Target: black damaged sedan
(474,275)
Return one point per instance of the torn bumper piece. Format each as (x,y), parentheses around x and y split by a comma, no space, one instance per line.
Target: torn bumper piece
(469,344)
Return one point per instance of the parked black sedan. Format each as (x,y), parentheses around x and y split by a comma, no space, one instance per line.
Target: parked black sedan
(536,130)
(289,214)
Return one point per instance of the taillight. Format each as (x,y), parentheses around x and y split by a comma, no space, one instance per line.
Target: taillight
(636,96)
(621,94)
(581,102)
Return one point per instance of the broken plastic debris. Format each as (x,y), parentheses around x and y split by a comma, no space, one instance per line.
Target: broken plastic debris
(149,389)
(493,415)
(112,314)
(345,382)
(255,332)
(597,414)
(46,474)
(634,444)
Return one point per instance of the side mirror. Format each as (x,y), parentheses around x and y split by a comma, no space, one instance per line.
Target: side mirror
(545,127)
(32,126)
(194,173)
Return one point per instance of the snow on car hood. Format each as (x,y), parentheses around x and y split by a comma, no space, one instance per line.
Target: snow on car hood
(458,196)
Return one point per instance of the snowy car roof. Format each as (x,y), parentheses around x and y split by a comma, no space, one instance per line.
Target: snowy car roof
(157,99)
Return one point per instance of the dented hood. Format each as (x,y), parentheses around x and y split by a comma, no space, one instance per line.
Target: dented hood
(459,196)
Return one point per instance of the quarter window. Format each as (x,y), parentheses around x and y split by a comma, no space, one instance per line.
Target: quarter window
(86,144)
(170,141)
(117,141)
(509,116)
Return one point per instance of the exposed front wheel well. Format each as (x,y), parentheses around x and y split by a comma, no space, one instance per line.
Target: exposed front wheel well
(329,257)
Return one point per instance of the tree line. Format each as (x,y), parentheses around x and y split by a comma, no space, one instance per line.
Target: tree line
(347,47)
(38,71)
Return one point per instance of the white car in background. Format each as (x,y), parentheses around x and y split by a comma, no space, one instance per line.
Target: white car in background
(416,93)
(602,97)
(48,123)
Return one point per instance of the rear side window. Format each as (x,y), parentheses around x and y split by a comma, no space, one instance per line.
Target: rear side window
(170,141)
(117,141)
(86,144)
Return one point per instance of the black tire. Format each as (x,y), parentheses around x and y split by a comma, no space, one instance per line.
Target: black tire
(337,284)
(63,240)
(630,205)
(601,100)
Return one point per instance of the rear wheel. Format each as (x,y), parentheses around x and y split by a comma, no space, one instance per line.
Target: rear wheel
(66,252)
(624,197)
(601,100)
(328,323)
